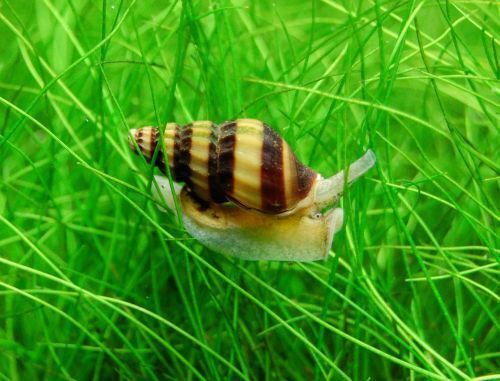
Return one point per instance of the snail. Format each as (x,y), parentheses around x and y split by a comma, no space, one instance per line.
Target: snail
(246,194)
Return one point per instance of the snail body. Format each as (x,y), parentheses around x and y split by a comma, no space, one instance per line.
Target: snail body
(246,194)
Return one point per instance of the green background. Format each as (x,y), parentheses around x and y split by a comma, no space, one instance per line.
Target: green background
(96,283)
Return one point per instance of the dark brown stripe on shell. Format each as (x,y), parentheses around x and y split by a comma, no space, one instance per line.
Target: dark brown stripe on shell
(160,161)
(182,155)
(305,178)
(272,177)
(216,193)
(227,145)
(177,150)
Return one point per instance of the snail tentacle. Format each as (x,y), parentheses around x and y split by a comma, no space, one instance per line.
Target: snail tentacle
(329,190)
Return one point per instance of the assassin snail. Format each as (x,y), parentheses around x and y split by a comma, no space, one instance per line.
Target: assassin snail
(246,194)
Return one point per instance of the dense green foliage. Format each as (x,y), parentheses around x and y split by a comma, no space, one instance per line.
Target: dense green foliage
(96,283)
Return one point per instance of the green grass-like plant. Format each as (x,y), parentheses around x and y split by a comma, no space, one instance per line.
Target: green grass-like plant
(97,284)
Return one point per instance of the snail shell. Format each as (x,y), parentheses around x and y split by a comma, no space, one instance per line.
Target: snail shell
(243,161)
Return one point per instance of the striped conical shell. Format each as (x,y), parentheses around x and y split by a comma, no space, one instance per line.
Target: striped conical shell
(243,161)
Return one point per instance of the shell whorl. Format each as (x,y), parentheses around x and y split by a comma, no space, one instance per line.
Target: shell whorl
(243,161)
